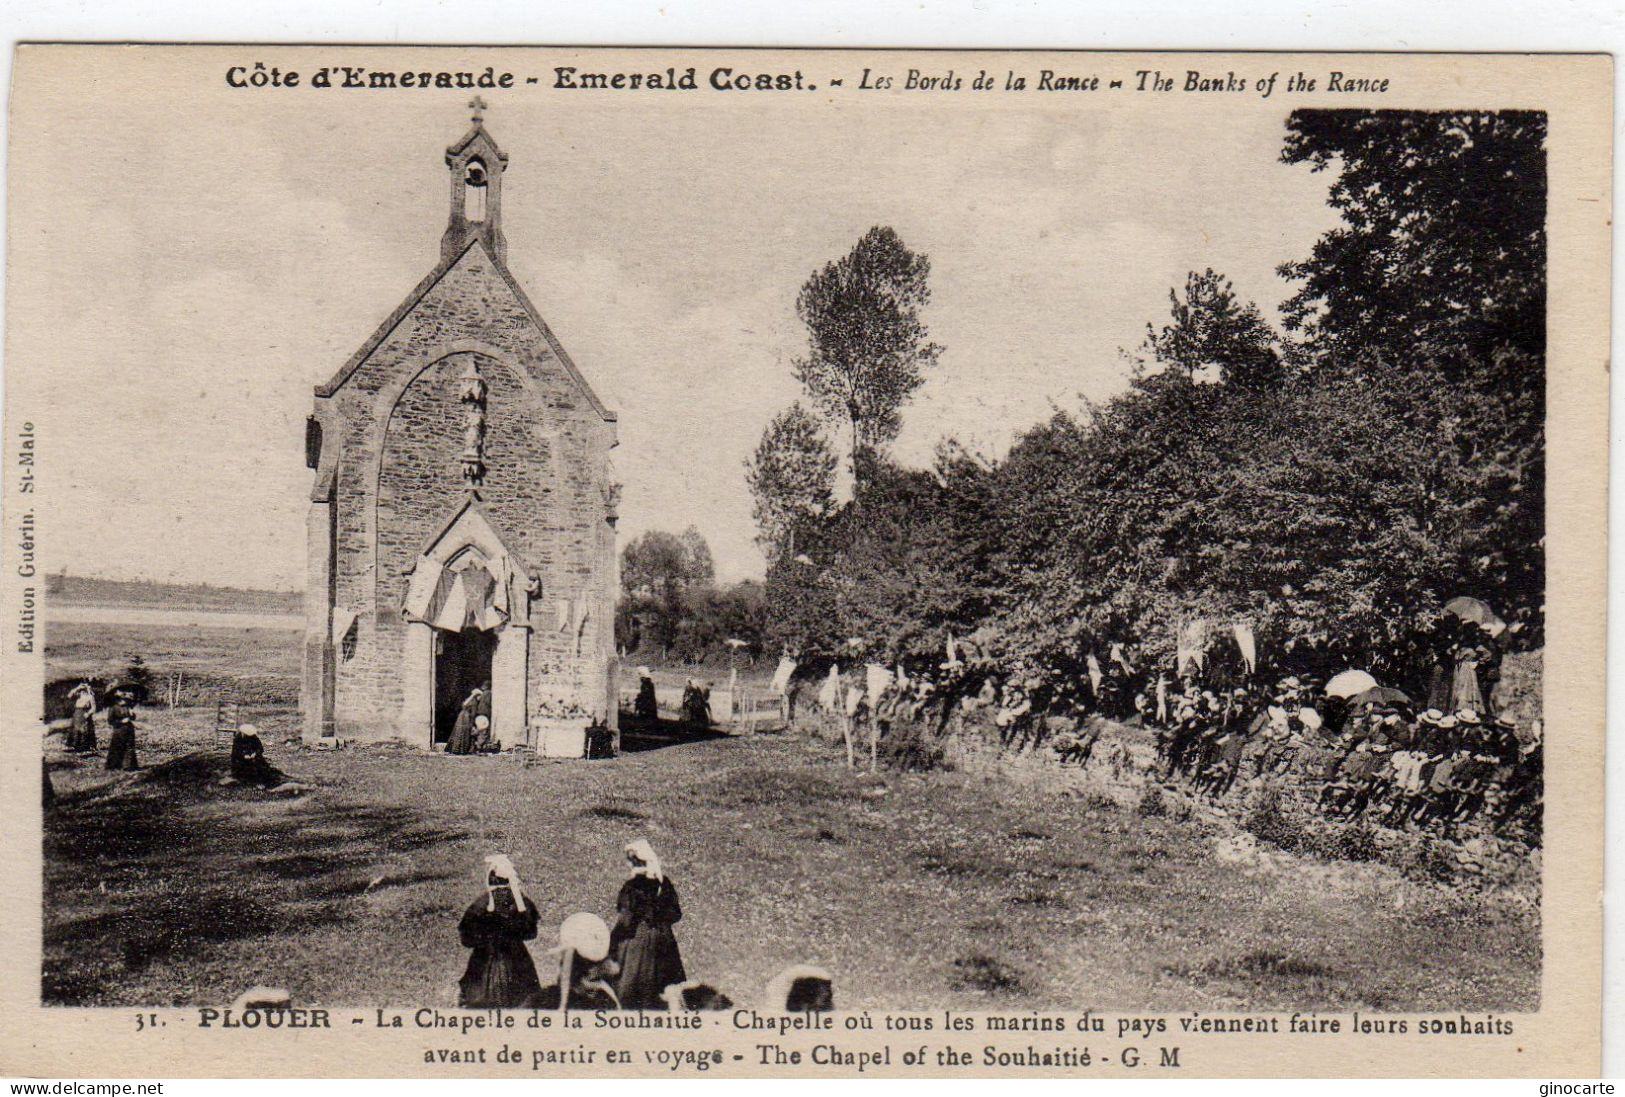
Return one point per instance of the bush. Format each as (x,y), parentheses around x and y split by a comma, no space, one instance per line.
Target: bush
(1152,803)
(1431,861)
(1354,842)
(909,746)
(1268,821)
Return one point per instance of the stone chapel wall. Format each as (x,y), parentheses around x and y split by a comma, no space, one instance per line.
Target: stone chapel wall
(399,480)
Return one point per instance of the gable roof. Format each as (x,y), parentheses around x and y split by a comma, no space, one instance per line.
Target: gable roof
(433,279)
(478,130)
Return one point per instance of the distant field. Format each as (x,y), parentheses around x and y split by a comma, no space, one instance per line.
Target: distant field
(84,590)
(255,665)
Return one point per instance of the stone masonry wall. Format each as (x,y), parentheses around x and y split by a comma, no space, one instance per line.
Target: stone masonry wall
(399,481)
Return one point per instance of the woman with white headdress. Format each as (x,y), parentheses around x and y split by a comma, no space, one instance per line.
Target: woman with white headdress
(249,766)
(585,968)
(642,941)
(82,737)
(500,973)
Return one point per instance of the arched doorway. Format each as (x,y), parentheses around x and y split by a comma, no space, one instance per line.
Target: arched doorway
(468,611)
(462,664)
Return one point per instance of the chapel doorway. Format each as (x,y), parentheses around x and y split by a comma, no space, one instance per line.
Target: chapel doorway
(462,662)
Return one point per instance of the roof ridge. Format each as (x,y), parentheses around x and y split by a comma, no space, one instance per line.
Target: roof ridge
(428,283)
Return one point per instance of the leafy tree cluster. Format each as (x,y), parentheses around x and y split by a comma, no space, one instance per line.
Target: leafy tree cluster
(1333,484)
(671,607)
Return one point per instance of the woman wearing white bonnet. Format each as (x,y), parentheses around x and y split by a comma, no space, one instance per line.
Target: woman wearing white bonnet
(584,967)
(248,762)
(642,941)
(500,973)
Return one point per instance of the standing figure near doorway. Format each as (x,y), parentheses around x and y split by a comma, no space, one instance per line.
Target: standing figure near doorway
(463,731)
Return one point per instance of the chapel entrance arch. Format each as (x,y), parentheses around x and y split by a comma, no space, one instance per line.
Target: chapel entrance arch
(468,626)
(462,664)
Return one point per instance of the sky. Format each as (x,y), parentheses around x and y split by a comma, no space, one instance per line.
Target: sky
(188,261)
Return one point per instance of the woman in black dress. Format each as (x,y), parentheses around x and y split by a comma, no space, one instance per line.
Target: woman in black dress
(642,941)
(646,707)
(500,973)
(462,730)
(121,721)
(248,762)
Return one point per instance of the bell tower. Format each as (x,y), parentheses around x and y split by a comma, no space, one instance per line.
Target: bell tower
(476,166)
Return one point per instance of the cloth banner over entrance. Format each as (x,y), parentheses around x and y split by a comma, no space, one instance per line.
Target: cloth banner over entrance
(455,599)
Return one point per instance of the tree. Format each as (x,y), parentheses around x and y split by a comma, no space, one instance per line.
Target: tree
(791,478)
(868,348)
(1212,330)
(656,565)
(699,569)
(1439,267)
(1442,244)
(1333,505)
(660,572)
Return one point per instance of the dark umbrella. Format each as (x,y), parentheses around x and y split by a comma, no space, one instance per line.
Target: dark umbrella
(1476,611)
(1380,695)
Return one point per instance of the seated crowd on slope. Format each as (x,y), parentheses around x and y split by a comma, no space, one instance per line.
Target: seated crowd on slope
(1372,753)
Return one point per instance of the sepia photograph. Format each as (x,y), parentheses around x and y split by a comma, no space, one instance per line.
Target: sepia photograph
(665,534)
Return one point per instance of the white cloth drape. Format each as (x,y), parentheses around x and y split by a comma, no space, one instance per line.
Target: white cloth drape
(343,619)
(1247,644)
(781,676)
(1193,644)
(829,696)
(475,596)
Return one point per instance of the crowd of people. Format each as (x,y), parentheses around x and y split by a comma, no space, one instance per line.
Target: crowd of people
(1356,748)
(1380,757)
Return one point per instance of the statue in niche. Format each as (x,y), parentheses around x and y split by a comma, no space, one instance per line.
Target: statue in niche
(473,396)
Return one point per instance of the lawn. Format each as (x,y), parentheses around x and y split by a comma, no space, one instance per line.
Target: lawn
(977,890)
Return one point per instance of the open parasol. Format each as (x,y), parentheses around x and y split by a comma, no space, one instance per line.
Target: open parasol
(1476,611)
(1380,695)
(1349,683)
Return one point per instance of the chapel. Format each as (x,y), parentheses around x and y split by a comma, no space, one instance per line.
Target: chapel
(461,531)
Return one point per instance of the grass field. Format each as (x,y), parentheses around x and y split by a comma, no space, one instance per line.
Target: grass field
(964,889)
(253,665)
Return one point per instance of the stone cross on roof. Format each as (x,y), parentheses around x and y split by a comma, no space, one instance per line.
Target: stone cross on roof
(477,105)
